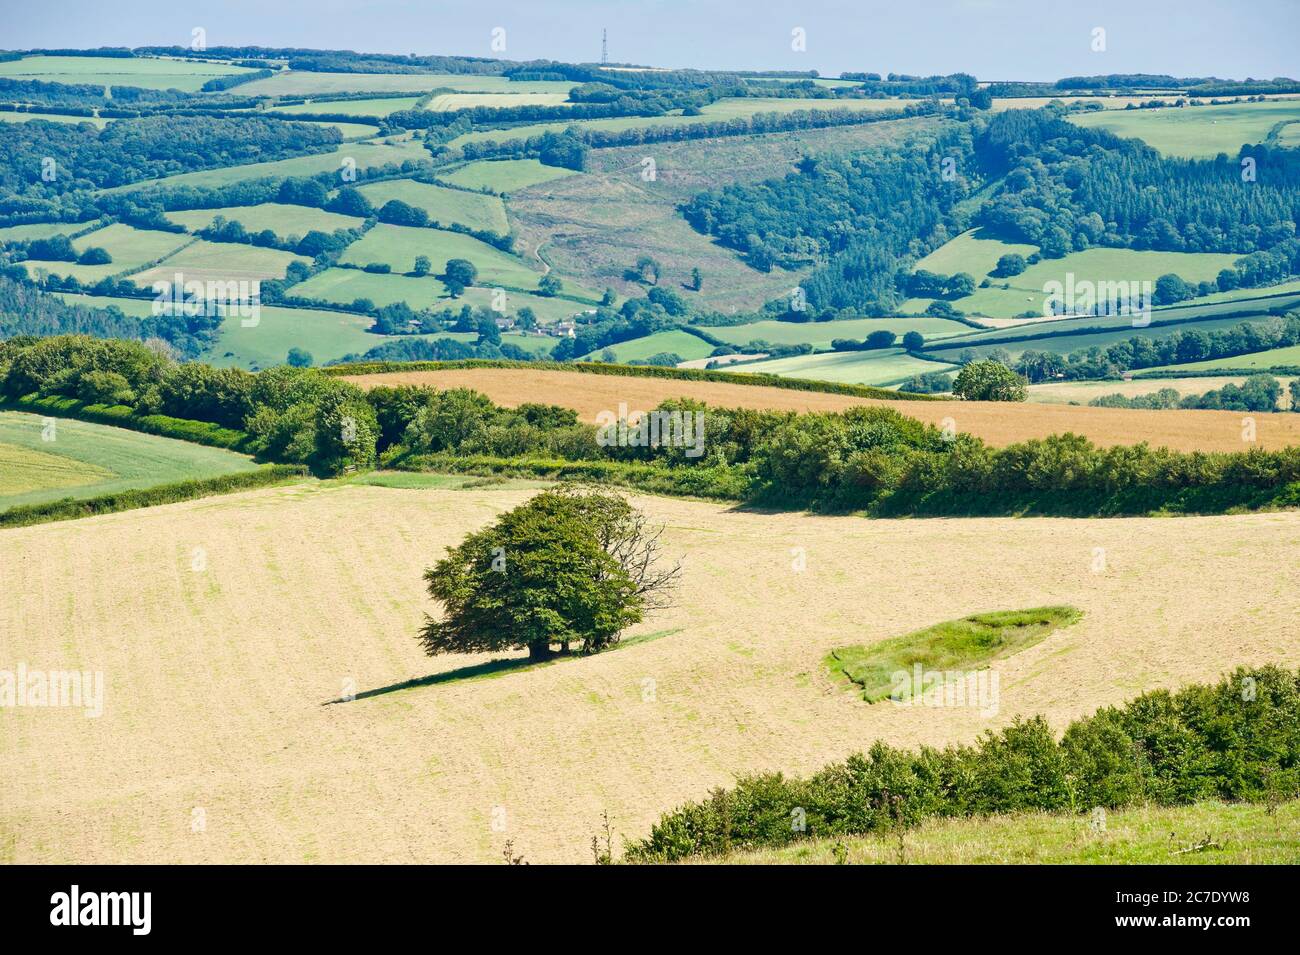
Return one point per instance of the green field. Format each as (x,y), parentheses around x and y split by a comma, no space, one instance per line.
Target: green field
(130,248)
(723,109)
(1260,359)
(398,246)
(150,73)
(1239,833)
(305,83)
(971,252)
(546,309)
(345,286)
(445,206)
(1195,130)
(86,460)
(505,175)
(283,220)
(985,343)
(7,116)
(820,334)
(378,108)
(39,230)
(365,155)
(674,341)
(1290,135)
(883,366)
(349,131)
(445,102)
(1025,292)
(220,262)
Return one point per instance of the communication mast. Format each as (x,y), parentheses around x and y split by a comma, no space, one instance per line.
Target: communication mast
(604,47)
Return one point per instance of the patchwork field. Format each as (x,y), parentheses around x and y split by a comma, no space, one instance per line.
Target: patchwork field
(304,82)
(504,175)
(345,286)
(220,261)
(676,342)
(445,206)
(723,109)
(1026,292)
(129,247)
(365,155)
(820,334)
(148,72)
(998,423)
(398,246)
(284,220)
(7,116)
(881,366)
(1196,130)
(1261,359)
(446,771)
(39,230)
(378,108)
(85,460)
(444,102)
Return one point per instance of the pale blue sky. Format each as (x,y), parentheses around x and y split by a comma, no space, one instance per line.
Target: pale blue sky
(994,39)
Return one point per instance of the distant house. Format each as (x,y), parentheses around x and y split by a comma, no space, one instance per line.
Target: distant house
(561,329)
(504,324)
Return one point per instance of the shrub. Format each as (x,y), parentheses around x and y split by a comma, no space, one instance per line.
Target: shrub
(1236,740)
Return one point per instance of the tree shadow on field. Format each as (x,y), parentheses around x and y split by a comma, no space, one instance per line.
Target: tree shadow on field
(493,668)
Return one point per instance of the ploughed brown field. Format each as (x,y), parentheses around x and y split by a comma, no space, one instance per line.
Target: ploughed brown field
(998,423)
(223,627)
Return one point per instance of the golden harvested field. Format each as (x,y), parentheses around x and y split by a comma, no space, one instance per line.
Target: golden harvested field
(997,423)
(215,746)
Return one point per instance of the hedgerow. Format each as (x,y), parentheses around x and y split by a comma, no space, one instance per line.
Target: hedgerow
(1237,740)
(68,509)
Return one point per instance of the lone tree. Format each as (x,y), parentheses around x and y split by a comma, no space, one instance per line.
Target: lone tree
(572,564)
(989,381)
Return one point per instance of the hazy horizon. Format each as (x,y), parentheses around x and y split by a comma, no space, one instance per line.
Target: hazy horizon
(983,37)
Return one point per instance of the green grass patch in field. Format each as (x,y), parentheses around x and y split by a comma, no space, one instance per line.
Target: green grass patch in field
(1273,358)
(1195,131)
(969,643)
(110,459)
(282,219)
(445,206)
(206,261)
(445,102)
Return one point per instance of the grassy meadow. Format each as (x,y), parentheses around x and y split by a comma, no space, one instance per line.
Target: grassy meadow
(46,459)
(1196,131)
(284,220)
(446,206)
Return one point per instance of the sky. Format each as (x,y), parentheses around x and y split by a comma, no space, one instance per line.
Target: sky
(993,39)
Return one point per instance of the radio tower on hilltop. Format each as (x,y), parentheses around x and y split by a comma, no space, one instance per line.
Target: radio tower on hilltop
(604,47)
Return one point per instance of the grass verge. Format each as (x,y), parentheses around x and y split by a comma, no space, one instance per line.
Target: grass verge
(1206,833)
(968,643)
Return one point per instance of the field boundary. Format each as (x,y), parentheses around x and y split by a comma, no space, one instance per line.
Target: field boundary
(120,416)
(71,509)
(634,371)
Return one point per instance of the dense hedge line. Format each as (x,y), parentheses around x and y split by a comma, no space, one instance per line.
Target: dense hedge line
(637,371)
(68,509)
(1236,740)
(120,416)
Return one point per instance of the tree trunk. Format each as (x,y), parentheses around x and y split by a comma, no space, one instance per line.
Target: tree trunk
(539,650)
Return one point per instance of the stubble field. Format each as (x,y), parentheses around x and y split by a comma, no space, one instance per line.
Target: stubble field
(216,743)
(998,423)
